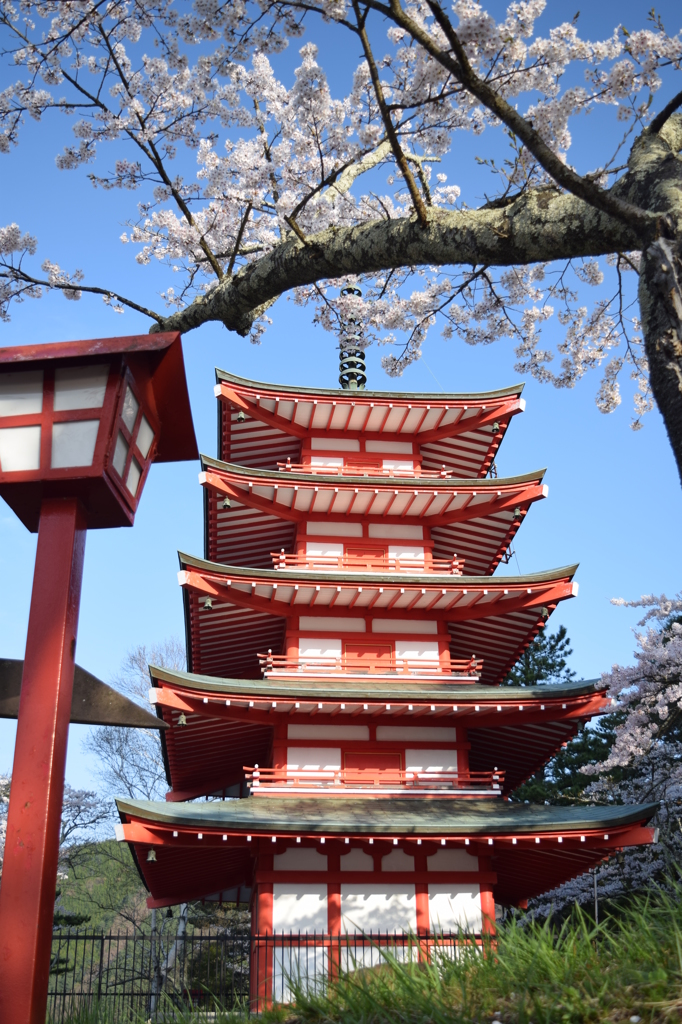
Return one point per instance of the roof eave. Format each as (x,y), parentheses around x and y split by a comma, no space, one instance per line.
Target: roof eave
(339,393)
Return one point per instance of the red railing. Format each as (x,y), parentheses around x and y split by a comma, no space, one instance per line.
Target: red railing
(372,781)
(362,469)
(333,563)
(390,665)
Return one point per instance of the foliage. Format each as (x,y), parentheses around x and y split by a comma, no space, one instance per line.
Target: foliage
(561,781)
(629,967)
(129,761)
(104,885)
(286,190)
(5,782)
(544,661)
(644,762)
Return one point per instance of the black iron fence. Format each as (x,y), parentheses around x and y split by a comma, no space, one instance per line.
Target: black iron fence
(134,977)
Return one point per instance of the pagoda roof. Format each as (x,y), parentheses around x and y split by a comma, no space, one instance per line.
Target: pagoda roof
(490,617)
(476,518)
(461,431)
(531,848)
(338,688)
(362,816)
(516,729)
(437,397)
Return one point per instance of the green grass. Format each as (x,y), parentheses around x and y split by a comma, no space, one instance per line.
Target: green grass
(629,966)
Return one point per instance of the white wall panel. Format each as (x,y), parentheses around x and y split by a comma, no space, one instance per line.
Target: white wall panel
(417,733)
(336,444)
(390,447)
(378,907)
(300,858)
(410,551)
(455,906)
(397,860)
(331,623)
(325,528)
(327,732)
(452,860)
(430,760)
(313,759)
(319,647)
(403,626)
(406,532)
(323,547)
(417,650)
(299,907)
(357,860)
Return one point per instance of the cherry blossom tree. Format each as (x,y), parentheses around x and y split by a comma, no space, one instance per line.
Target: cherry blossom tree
(644,763)
(289,190)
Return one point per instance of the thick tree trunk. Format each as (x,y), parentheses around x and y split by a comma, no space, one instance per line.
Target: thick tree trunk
(660,300)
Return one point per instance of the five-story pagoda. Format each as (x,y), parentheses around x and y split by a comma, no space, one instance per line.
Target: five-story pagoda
(346,642)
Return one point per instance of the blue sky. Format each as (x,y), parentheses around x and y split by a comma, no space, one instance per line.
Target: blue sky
(614,503)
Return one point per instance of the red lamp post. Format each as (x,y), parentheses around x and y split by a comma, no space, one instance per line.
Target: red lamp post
(80,424)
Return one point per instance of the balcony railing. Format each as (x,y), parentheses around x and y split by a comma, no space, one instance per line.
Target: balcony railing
(282,664)
(373,782)
(361,563)
(363,469)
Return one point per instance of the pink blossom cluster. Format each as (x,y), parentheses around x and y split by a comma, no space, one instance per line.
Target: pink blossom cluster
(644,764)
(233,163)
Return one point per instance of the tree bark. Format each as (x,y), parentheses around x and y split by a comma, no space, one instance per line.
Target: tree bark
(660,301)
(540,226)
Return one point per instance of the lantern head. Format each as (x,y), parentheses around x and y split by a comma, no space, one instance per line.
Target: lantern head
(86,419)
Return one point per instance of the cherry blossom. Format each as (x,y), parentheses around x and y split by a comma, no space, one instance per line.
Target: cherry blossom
(241,167)
(644,764)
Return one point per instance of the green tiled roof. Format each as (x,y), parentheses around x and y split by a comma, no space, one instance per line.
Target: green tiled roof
(435,396)
(284,476)
(438,579)
(381,690)
(387,816)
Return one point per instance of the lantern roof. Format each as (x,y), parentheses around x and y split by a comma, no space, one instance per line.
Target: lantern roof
(157,358)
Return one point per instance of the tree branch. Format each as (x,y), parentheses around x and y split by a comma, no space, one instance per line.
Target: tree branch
(238,240)
(391,134)
(668,111)
(16,274)
(639,219)
(539,226)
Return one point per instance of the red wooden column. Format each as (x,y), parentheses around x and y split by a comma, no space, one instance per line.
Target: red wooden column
(263,941)
(29,874)
(334,913)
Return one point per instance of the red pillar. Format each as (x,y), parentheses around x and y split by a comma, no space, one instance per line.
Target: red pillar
(263,948)
(29,874)
(334,922)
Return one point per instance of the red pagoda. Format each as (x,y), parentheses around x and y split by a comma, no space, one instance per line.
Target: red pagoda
(343,714)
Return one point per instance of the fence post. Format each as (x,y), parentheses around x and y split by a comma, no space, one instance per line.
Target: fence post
(101,968)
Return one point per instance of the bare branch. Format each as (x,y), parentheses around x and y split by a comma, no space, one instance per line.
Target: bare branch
(391,133)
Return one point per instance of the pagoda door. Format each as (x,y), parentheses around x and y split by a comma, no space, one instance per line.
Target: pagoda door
(370,558)
(368,657)
(371,766)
